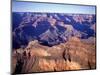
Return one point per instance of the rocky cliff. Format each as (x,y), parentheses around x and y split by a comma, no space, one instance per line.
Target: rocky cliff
(74,54)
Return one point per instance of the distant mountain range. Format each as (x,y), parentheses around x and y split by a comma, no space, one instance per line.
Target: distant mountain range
(50,28)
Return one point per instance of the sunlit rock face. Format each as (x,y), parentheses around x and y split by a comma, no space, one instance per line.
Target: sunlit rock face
(75,54)
(51,28)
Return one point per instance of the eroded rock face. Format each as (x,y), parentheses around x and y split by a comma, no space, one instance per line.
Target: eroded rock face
(72,55)
(51,28)
(57,65)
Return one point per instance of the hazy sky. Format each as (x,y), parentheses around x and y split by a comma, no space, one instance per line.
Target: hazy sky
(48,7)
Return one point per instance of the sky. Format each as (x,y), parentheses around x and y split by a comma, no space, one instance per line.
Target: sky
(19,6)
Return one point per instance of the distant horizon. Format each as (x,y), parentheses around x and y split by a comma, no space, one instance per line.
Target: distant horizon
(54,13)
(18,6)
